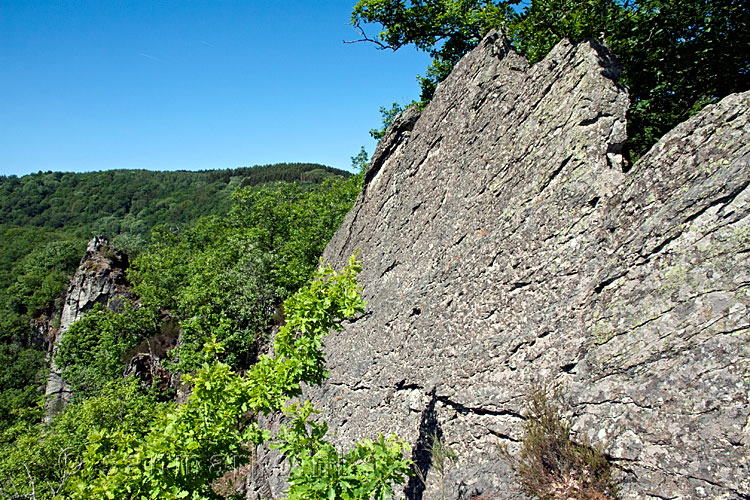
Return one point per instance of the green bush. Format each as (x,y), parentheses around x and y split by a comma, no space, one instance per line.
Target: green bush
(92,351)
(41,463)
(189,447)
(320,472)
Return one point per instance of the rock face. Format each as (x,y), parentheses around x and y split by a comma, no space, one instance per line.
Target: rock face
(504,247)
(100,279)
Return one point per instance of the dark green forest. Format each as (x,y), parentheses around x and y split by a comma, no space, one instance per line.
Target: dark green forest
(130,202)
(47,219)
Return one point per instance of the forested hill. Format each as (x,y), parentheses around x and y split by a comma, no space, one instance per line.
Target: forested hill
(133,201)
(227,243)
(47,218)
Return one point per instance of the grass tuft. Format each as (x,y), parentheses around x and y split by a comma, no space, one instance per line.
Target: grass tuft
(551,466)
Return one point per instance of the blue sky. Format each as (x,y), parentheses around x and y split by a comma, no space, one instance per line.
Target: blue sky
(165,85)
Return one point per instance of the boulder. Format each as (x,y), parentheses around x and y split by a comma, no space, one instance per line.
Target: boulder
(505,247)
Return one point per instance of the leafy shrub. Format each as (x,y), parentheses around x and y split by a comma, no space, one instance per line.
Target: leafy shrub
(188,447)
(320,472)
(93,349)
(40,463)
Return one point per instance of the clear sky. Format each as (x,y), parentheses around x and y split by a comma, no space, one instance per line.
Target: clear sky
(165,85)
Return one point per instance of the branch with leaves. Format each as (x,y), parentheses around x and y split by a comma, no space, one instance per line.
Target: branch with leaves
(189,448)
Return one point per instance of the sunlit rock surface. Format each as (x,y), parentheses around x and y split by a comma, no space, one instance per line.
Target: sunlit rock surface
(100,279)
(505,247)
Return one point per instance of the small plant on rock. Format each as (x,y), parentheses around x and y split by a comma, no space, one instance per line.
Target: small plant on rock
(442,458)
(552,466)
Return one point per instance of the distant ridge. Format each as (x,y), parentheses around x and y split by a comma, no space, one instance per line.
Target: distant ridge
(78,200)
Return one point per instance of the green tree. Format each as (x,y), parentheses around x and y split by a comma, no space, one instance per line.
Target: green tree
(292,225)
(679,57)
(360,161)
(188,447)
(24,371)
(207,273)
(445,29)
(226,276)
(35,281)
(93,350)
(660,43)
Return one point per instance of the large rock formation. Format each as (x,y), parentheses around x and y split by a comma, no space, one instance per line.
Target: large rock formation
(504,247)
(100,279)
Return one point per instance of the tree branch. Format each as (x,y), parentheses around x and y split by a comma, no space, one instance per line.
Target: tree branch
(379,45)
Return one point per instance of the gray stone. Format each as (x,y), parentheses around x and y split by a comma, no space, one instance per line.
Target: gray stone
(100,279)
(504,248)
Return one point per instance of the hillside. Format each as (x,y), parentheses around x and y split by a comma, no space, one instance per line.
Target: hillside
(132,201)
(46,220)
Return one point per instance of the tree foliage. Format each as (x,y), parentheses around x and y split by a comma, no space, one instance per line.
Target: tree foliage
(123,444)
(360,161)
(387,114)
(677,56)
(24,371)
(222,277)
(445,29)
(93,350)
(39,462)
(209,272)
(133,201)
(225,276)
(660,44)
(46,219)
(34,281)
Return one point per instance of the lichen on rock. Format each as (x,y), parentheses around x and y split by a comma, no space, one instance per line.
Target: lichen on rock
(504,246)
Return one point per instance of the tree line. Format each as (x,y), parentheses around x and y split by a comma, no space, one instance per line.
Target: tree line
(677,56)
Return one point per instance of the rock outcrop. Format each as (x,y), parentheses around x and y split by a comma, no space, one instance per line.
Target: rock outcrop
(504,247)
(100,279)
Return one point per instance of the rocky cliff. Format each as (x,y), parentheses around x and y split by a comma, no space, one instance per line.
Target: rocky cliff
(100,279)
(504,247)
